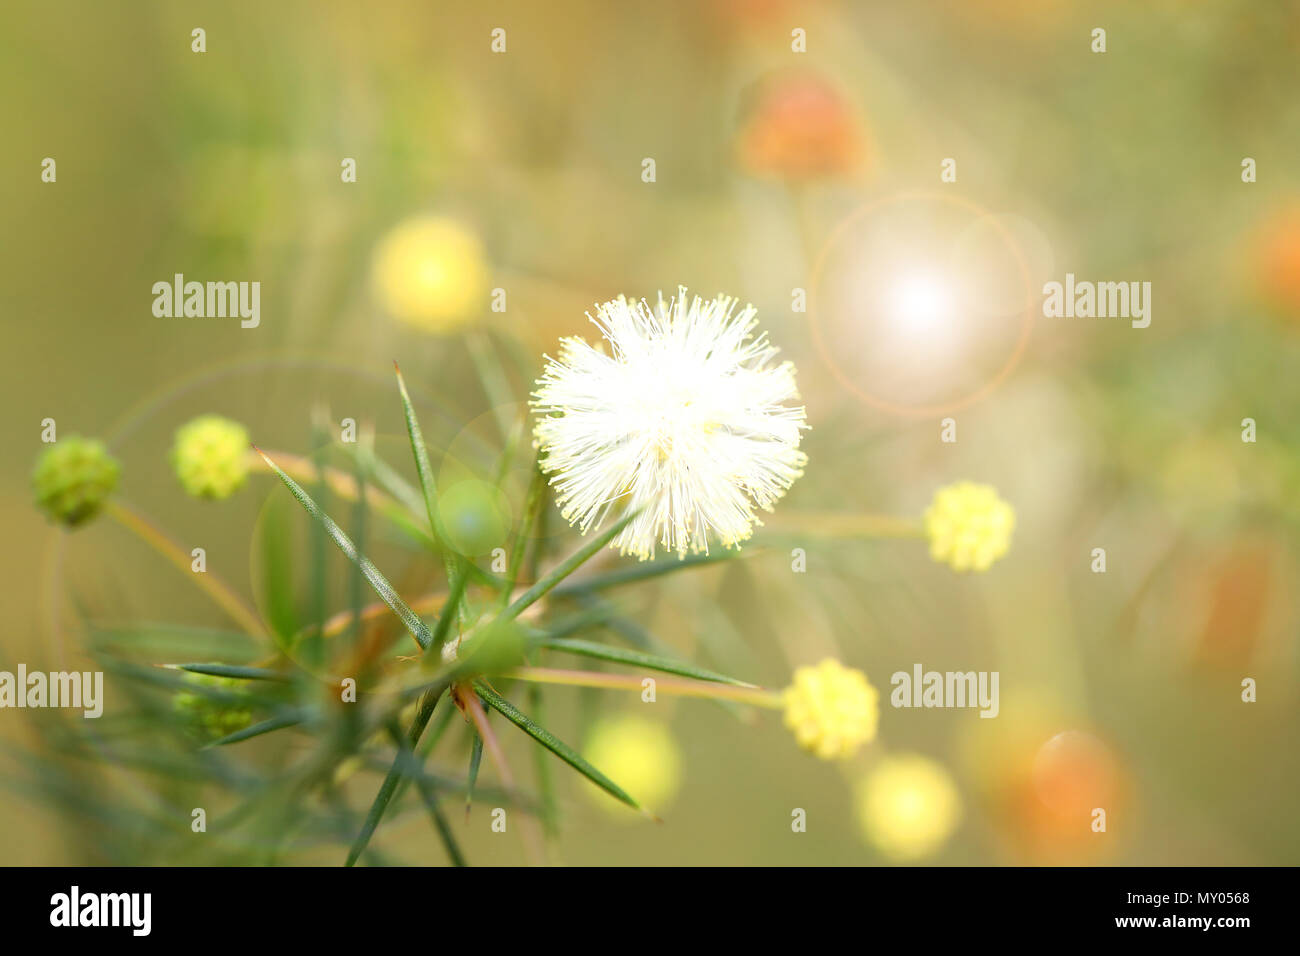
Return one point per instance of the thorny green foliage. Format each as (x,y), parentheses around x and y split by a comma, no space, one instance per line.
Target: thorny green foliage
(267,739)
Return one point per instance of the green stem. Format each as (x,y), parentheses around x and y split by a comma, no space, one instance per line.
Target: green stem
(393,778)
(682,687)
(542,766)
(576,560)
(208,582)
(493,377)
(844,525)
(531,507)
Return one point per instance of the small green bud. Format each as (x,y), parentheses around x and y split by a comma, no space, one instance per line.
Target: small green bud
(493,647)
(475,516)
(73,478)
(208,717)
(211,456)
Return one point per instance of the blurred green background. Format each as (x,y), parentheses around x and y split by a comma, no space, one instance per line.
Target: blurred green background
(1117,166)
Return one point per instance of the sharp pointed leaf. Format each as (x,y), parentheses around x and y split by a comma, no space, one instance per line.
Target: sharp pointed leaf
(256,730)
(646,570)
(565,568)
(652,662)
(235,671)
(394,777)
(475,761)
(377,581)
(552,743)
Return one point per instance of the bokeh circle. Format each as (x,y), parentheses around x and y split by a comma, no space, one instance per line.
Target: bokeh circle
(889,283)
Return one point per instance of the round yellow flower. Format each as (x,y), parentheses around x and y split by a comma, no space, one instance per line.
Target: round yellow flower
(908,806)
(640,756)
(969,526)
(210,456)
(831,709)
(73,478)
(430,273)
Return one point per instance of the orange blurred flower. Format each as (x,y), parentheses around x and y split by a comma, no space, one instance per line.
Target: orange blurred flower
(1239,589)
(1277,256)
(1042,786)
(1073,774)
(796,126)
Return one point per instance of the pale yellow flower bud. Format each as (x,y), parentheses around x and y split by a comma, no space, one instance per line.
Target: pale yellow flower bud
(908,806)
(969,526)
(831,709)
(211,456)
(430,273)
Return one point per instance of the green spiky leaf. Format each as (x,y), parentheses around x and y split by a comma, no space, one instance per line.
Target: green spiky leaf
(646,570)
(551,743)
(257,730)
(236,671)
(387,593)
(566,567)
(652,662)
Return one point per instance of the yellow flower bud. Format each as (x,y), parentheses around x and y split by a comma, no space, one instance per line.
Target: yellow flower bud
(831,709)
(211,457)
(908,806)
(430,273)
(640,756)
(969,526)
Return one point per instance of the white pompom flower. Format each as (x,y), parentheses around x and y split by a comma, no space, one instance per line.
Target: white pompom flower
(688,422)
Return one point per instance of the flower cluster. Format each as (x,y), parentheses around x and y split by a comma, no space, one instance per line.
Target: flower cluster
(211,456)
(73,478)
(969,526)
(831,709)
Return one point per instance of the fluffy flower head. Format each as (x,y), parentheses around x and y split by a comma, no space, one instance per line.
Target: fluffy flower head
(831,709)
(685,419)
(969,526)
(908,806)
(211,456)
